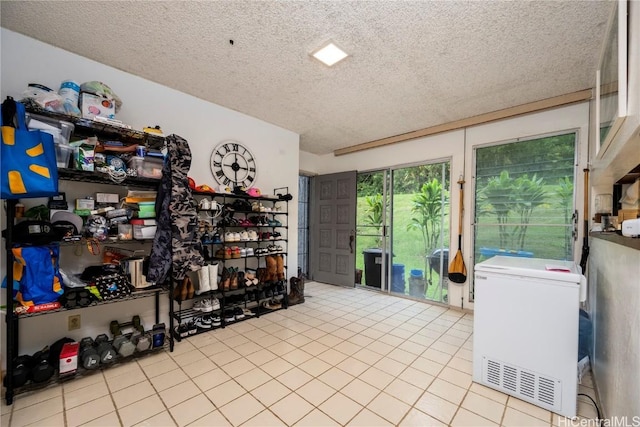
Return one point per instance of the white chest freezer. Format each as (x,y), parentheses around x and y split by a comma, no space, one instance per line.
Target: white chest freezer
(525,333)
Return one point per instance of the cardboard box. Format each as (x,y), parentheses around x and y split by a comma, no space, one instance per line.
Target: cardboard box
(625,214)
(93,105)
(69,357)
(107,198)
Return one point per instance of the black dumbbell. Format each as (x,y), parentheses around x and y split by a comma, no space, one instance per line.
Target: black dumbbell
(42,369)
(137,324)
(105,350)
(88,354)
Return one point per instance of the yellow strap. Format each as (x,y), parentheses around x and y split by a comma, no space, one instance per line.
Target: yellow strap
(8,135)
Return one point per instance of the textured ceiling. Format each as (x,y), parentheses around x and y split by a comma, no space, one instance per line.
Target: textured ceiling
(412,64)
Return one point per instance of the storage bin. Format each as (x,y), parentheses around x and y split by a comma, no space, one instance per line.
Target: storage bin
(147,167)
(60,129)
(63,154)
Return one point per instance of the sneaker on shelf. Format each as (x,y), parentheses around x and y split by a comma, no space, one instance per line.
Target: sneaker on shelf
(249,252)
(247,312)
(216,321)
(276,235)
(215,304)
(229,315)
(243,252)
(239,314)
(253,235)
(182,330)
(193,328)
(236,252)
(203,305)
(228,237)
(216,238)
(204,322)
(244,236)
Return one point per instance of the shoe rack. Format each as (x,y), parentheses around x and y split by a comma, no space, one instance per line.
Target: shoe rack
(247,239)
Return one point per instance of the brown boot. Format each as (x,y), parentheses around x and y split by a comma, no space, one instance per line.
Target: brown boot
(191,290)
(296,296)
(179,292)
(225,280)
(272,269)
(261,275)
(233,281)
(280,267)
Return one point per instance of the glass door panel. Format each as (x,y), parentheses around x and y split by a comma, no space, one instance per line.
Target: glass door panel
(420,231)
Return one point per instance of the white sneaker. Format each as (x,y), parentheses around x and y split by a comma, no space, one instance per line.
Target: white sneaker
(244,236)
(228,237)
(203,305)
(253,235)
(215,304)
(236,237)
(250,252)
(243,252)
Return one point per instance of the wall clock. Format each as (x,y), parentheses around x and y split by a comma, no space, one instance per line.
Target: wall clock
(233,165)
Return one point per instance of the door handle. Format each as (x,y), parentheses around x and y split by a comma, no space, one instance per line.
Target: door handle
(352,237)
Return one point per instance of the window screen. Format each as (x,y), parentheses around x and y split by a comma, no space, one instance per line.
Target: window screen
(524,198)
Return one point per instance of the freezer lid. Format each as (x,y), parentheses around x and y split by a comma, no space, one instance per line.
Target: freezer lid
(550,269)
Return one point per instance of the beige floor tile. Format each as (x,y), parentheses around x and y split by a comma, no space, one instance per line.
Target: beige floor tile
(247,348)
(490,393)
(87,412)
(315,392)
(242,409)
(238,367)
(270,392)
(235,341)
(266,340)
(6,418)
(276,367)
(314,366)
(374,334)
(298,340)
(437,355)
(461,364)
(153,358)
(465,354)
(446,390)
(586,409)
(352,366)
(514,418)
(391,340)
(360,391)
(484,407)
(169,379)
(367,356)
(314,348)
(332,357)
(32,398)
(281,348)
(436,407)
(335,378)
(389,408)
(109,420)
(191,409)
(179,393)
(214,418)
(198,368)
(90,379)
(160,368)
(224,357)
(123,369)
(53,420)
(390,366)
(412,347)
(340,408)
(163,419)
(401,333)
(529,409)
(329,340)
(214,348)
(403,391)
(211,379)
(455,377)
(141,410)
(43,410)
(366,418)
(380,347)
(348,347)
(225,393)
(297,357)
(189,357)
(317,418)
(416,377)
(131,394)
(123,381)
(416,418)
(294,378)
(291,408)
(252,379)
(260,357)
(265,418)
(428,366)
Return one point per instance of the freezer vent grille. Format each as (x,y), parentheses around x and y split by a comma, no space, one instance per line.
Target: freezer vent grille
(527,385)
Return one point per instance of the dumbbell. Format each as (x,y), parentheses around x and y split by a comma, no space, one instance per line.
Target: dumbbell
(137,324)
(123,345)
(42,369)
(88,354)
(141,341)
(105,350)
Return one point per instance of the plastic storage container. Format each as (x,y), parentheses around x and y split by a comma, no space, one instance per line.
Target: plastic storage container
(60,129)
(63,154)
(147,167)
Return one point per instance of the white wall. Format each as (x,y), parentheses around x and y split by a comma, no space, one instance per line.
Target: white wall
(452,146)
(201,123)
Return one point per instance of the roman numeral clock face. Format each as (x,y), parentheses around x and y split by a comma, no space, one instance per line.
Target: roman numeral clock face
(233,165)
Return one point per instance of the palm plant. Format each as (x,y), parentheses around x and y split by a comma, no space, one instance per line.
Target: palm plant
(528,193)
(565,192)
(497,194)
(375,214)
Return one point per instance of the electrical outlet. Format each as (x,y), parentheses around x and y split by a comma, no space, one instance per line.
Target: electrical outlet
(74,322)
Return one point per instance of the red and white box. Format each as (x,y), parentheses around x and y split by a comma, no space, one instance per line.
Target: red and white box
(69,358)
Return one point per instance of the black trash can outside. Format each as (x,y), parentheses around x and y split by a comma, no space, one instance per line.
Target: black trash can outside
(373,266)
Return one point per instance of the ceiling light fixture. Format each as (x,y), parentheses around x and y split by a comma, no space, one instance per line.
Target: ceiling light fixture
(329,54)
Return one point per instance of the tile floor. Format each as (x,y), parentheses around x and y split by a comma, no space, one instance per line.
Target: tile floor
(344,357)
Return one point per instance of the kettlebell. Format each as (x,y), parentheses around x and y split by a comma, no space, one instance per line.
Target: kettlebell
(21,369)
(158,335)
(105,350)
(88,354)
